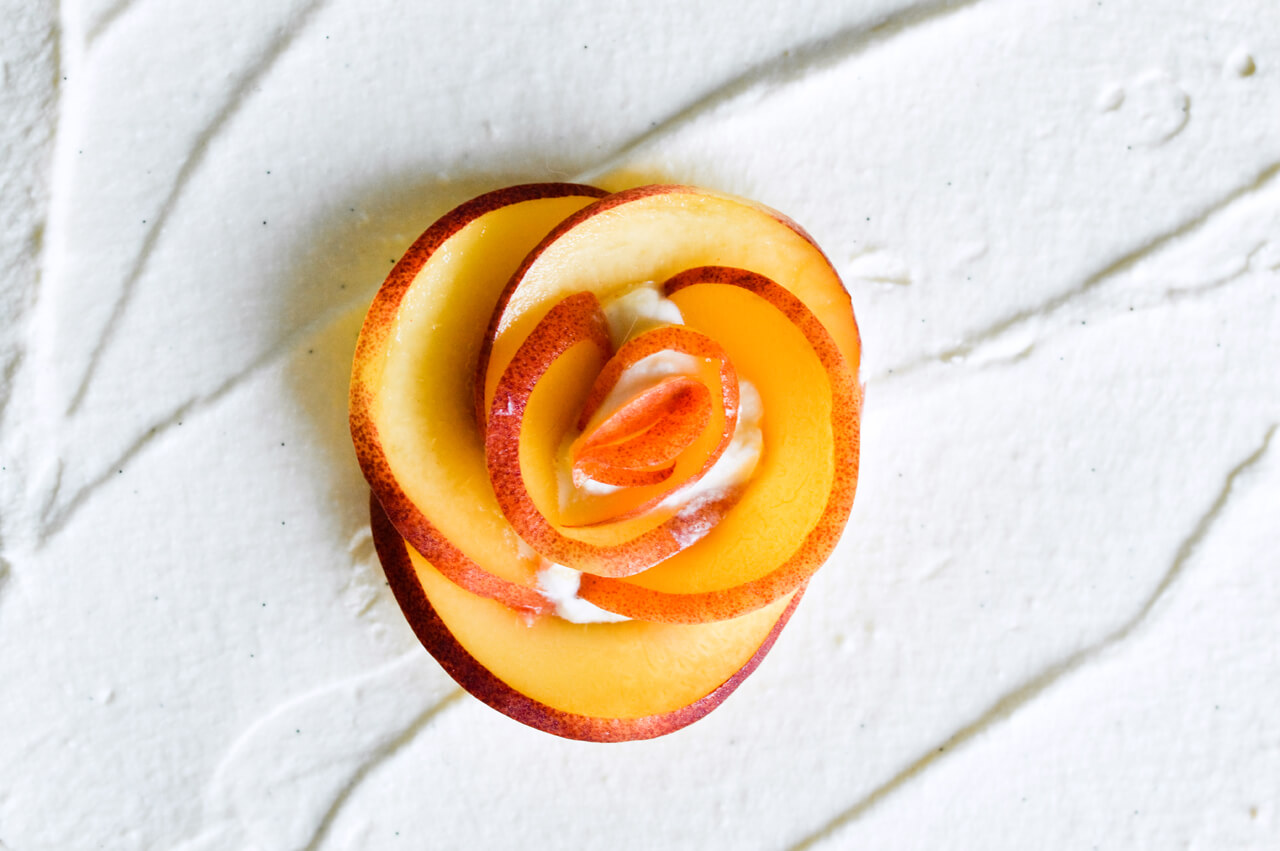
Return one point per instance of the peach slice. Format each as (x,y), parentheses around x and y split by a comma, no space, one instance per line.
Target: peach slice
(611,550)
(648,431)
(608,471)
(715,369)
(813,402)
(410,407)
(652,233)
(595,682)
(780,311)
(696,477)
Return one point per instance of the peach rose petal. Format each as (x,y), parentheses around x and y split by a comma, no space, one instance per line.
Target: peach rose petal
(576,320)
(647,604)
(639,442)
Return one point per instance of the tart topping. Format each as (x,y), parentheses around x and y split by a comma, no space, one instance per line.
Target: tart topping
(634,412)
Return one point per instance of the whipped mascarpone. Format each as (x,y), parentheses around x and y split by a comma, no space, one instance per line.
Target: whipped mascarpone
(1054,604)
(637,310)
(559,584)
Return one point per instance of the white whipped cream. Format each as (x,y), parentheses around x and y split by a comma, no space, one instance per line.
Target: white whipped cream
(735,466)
(638,310)
(1057,221)
(559,584)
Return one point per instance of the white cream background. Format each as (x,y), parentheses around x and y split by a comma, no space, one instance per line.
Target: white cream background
(1052,621)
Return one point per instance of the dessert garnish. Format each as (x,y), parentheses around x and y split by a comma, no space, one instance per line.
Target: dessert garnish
(609,438)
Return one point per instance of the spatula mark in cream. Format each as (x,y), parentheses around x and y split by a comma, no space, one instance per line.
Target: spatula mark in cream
(13,361)
(367,596)
(106,21)
(1234,231)
(366,584)
(58,513)
(1110,98)
(1031,689)
(1268,255)
(789,66)
(877,266)
(14,351)
(284,780)
(241,91)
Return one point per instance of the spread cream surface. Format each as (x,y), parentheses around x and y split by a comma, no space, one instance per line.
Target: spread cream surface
(1051,620)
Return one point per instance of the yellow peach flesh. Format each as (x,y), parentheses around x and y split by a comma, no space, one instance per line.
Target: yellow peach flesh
(609,518)
(612,670)
(519,474)
(412,410)
(790,485)
(601,682)
(704,293)
(652,233)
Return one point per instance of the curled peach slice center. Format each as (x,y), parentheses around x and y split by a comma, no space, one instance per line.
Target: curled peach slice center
(639,442)
(637,365)
(526,414)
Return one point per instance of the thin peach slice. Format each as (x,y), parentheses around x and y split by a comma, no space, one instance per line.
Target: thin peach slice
(638,444)
(411,388)
(715,369)
(812,402)
(620,475)
(669,338)
(649,430)
(594,682)
(651,233)
(576,323)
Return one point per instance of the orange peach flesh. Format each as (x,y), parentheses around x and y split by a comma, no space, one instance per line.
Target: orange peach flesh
(649,430)
(595,682)
(784,497)
(411,414)
(758,553)
(652,233)
(715,369)
(617,549)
